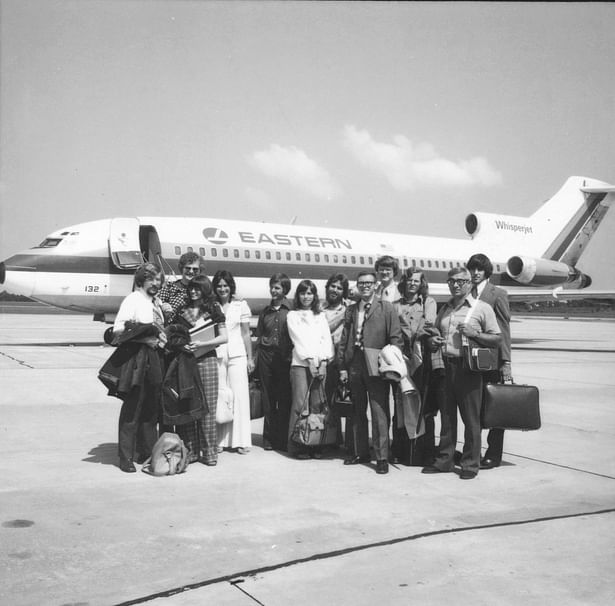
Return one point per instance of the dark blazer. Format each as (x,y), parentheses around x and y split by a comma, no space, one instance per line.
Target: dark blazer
(498,299)
(381,328)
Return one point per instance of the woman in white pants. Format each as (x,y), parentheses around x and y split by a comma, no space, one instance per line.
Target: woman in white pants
(234,364)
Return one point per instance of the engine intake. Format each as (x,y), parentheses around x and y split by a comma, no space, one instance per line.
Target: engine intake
(544,272)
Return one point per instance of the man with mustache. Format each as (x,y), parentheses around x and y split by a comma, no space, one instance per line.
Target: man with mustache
(139,331)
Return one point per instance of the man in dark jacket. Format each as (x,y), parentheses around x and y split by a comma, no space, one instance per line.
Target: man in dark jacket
(481,269)
(369,325)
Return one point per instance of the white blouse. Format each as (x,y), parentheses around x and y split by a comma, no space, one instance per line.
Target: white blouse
(237,312)
(310,335)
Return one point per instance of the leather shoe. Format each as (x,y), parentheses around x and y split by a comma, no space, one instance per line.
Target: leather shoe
(432,469)
(127,467)
(394,460)
(466,474)
(267,446)
(382,466)
(355,460)
(487,463)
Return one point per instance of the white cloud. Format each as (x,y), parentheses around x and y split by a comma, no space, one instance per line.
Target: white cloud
(295,167)
(408,166)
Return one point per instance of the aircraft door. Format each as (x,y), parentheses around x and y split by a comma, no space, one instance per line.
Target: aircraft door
(124,244)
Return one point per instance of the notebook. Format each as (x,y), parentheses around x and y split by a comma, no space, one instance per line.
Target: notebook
(204,332)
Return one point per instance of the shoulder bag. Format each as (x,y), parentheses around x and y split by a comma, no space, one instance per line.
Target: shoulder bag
(477,357)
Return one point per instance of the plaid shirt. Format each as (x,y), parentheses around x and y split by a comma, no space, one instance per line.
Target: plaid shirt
(175,293)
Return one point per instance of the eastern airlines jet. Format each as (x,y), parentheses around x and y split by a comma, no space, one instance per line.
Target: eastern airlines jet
(89,267)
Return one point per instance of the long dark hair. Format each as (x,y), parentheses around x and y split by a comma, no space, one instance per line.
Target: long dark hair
(227,276)
(302,287)
(203,283)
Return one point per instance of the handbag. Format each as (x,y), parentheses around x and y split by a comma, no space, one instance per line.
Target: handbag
(342,405)
(256,399)
(225,405)
(169,456)
(510,406)
(314,428)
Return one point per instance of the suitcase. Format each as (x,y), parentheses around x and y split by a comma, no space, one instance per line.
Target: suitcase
(510,406)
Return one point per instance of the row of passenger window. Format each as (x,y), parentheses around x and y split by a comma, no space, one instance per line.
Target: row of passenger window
(305,257)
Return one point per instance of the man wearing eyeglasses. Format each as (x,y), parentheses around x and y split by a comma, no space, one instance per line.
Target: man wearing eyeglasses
(462,316)
(369,325)
(174,295)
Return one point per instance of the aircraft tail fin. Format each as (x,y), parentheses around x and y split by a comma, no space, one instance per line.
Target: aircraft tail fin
(571,217)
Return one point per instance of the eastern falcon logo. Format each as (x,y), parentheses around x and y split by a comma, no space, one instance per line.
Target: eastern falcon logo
(215,235)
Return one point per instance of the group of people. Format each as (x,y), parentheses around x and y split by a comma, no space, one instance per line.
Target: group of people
(198,332)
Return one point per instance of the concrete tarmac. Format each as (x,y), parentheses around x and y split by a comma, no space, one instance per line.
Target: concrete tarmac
(266,529)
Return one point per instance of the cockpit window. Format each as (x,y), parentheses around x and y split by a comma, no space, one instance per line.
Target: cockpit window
(49,243)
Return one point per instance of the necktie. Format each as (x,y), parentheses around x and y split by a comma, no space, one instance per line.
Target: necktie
(360,336)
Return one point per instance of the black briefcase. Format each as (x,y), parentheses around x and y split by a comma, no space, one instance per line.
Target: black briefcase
(510,406)
(341,403)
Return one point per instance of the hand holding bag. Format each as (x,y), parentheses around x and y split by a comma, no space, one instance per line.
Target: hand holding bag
(510,406)
(314,429)
(342,404)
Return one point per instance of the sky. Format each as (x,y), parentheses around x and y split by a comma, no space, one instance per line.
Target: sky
(400,117)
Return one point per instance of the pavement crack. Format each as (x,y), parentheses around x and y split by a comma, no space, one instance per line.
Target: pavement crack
(237,577)
(21,362)
(236,585)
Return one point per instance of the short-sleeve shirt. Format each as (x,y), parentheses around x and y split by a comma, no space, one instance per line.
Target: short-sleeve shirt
(482,319)
(237,313)
(138,307)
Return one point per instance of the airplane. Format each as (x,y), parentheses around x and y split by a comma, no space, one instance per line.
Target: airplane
(89,267)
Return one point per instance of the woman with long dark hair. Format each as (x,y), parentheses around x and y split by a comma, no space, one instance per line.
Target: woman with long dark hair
(312,349)
(200,437)
(234,363)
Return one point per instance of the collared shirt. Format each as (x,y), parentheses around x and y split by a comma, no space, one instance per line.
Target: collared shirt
(388,293)
(138,307)
(480,288)
(482,319)
(332,313)
(175,293)
(272,330)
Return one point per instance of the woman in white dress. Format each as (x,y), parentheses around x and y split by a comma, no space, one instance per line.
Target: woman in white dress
(235,362)
(312,349)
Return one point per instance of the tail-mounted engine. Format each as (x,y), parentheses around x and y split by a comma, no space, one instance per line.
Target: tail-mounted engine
(544,272)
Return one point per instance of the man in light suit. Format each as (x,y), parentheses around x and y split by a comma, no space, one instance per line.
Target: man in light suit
(481,269)
(369,325)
